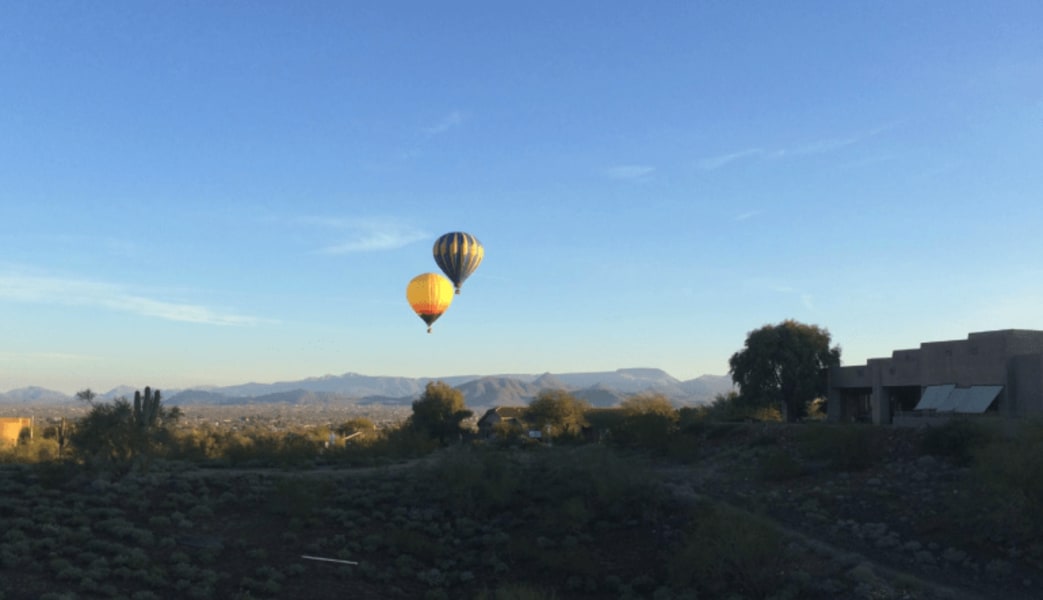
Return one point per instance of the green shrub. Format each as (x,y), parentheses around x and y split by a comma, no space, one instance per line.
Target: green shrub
(734,407)
(112,434)
(649,431)
(684,446)
(728,553)
(1006,489)
(299,498)
(956,440)
(517,591)
(778,465)
(846,447)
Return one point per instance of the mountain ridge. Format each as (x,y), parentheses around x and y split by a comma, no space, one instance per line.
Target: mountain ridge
(601,388)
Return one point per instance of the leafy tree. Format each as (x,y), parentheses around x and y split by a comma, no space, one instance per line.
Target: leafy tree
(355,425)
(648,404)
(559,410)
(118,432)
(439,412)
(733,406)
(648,422)
(784,365)
(356,428)
(86,396)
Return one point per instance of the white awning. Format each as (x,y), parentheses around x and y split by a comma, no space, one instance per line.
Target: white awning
(949,398)
(933,396)
(977,399)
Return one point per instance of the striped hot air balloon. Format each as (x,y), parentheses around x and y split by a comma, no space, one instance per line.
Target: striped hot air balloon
(430,295)
(458,254)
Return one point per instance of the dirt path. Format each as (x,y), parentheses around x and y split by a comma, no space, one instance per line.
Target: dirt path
(873,578)
(317,472)
(877,578)
(714,480)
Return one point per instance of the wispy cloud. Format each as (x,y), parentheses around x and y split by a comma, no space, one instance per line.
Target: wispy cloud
(42,289)
(629,172)
(869,161)
(716,162)
(449,121)
(366,234)
(814,147)
(424,136)
(746,216)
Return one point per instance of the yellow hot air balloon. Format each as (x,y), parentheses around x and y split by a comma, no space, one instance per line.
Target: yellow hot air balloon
(430,295)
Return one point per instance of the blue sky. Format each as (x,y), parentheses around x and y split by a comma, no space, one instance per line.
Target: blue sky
(201,193)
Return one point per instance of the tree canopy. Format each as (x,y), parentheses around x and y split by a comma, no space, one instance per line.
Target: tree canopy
(557,409)
(648,403)
(119,431)
(439,412)
(785,365)
(648,421)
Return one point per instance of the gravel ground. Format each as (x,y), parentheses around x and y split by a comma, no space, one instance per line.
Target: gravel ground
(879,531)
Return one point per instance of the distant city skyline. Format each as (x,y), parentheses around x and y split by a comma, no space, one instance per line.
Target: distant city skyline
(217,193)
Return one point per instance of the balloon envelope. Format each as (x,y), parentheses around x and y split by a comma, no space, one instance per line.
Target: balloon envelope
(430,295)
(458,254)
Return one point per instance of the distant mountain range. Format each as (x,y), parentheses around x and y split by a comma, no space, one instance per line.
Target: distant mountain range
(600,389)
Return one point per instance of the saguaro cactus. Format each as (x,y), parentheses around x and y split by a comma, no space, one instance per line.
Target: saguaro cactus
(147,412)
(62,431)
(122,431)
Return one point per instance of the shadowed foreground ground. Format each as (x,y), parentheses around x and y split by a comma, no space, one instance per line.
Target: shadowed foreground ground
(756,512)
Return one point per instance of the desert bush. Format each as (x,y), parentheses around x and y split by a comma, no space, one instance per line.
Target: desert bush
(734,407)
(35,451)
(383,447)
(559,414)
(112,434)
(517,591)
(817,410)
(509,432)
(956,440)
(683,446)
(846,447)
(778,465)
(204,443)
(257,447)
(1005,499)
(649,422)
(298,497)
(728,553)
(478,482)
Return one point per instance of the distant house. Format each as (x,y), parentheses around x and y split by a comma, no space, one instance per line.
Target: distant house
(989,373)
(511,415)
(11,428)
(601,422)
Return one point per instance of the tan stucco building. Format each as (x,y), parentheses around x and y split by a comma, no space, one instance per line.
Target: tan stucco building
(11,428)
(990,372)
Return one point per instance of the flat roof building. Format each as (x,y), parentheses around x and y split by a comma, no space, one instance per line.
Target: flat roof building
(990,372)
